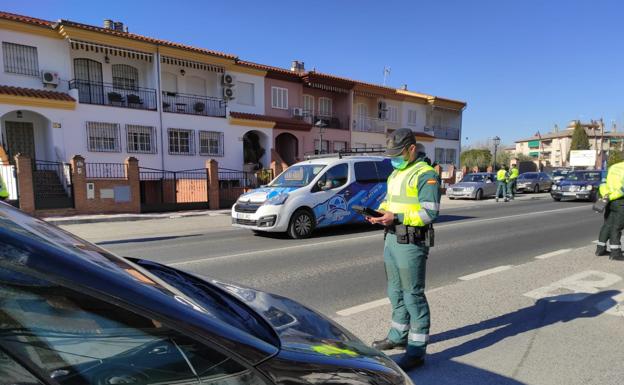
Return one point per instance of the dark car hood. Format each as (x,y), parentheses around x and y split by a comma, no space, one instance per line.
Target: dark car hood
(304,330)
(578,183)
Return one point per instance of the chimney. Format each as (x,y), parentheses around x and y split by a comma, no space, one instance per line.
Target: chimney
(119,27)
(108,24)
(297,67)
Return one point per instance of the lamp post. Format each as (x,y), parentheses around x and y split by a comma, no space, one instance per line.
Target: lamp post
(496,141)
(321,126)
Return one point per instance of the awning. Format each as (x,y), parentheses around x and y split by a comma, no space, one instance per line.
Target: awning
(110,50)
(534,153)
(191,64)
(534,143)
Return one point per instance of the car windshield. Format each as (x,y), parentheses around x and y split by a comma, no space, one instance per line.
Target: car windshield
(584,176)
(297,176)
(474,178)
(560,173)
(528,176)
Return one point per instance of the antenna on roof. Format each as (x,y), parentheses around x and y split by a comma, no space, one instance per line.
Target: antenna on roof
(386,73)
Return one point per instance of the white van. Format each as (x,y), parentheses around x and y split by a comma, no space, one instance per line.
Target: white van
(314,193)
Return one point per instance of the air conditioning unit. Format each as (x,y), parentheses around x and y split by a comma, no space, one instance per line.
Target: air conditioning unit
(228,79)
(297,111)
(50,77)
(228,93)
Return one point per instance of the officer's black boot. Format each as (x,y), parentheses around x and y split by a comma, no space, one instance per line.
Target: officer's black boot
(616,255)
(386,344)
(601,250)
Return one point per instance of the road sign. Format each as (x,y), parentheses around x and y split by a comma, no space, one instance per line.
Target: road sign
(582,158)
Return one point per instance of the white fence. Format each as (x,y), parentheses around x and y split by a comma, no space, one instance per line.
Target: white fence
(8,176)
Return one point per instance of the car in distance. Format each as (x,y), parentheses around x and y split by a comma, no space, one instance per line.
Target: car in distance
(578,185)
(533,182)
(473,186)
(75,314)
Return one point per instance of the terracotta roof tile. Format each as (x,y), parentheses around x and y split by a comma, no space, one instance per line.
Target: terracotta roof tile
(25,19)
(146,39)
(34,93)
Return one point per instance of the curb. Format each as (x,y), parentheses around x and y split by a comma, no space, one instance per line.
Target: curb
(131,218)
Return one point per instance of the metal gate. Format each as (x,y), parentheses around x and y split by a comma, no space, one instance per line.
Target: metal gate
(163,190)
(52,185)
(233,183)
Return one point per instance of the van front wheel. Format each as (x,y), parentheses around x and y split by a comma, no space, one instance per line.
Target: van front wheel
(301,224)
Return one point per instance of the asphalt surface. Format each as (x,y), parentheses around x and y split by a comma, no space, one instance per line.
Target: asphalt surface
(343,267)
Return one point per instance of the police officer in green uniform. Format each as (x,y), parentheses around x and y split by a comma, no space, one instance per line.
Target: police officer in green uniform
(611,229)
(513,178)
(411,205)
(4,191)
(501,180)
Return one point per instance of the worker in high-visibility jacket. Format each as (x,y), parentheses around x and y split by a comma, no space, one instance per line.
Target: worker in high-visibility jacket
(611,230)
(513,178)
(502,177)
(4,191)
(410,207)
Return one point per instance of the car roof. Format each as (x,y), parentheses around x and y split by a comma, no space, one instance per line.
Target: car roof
(331,160)
(49,253)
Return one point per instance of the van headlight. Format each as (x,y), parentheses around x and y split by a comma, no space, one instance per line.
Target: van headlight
(277,200)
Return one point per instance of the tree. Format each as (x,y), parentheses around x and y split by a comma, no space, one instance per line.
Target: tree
(522,157)
(580,141)
(480,158)
(615,156)
(503,158)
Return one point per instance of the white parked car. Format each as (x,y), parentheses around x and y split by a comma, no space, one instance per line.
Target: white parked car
(474,186)
(314,193)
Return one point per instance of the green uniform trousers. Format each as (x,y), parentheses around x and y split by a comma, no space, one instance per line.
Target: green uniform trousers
(511,188)
(611,229)
(405,269)
(501,189)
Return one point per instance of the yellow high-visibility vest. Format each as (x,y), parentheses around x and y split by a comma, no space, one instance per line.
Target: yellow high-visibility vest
(501,175)
(4,191)
(615,182)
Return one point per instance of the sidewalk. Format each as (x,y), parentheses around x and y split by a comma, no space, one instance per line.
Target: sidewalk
(556,320)
(98,218)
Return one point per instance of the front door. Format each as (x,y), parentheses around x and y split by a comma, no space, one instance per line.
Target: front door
(20,139)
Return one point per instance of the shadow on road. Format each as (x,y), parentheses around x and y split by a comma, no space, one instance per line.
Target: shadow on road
(151,239)
(440,369)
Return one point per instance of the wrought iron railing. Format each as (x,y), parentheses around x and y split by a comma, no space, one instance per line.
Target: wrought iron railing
(232,183)
(363,123)
(107,94)
(106,170)
(193,104)
(442,132)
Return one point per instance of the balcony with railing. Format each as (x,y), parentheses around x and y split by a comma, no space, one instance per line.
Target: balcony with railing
(106,94)
(193,104)
(441,132)
(335,121)
(362,123)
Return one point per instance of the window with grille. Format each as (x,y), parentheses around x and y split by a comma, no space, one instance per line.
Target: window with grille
(181,142)
(412,117)
(103,137)
(20,59)
(321,147)
(308,104)
(279,98)
(450,155)
(439,156)
(210,143)
(325,106)
(125,77)
(340,146)
(141,139)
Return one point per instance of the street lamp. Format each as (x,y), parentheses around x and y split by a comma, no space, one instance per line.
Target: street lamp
(496,141)
(321,126)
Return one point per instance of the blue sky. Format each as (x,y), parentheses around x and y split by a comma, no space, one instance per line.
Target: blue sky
(521,65)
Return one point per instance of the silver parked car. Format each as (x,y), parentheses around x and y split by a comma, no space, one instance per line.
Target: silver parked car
(473,186)
(534,182)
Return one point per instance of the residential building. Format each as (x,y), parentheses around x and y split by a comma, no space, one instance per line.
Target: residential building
(553,148)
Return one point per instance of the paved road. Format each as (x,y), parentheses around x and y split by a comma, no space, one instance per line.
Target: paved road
(341,268)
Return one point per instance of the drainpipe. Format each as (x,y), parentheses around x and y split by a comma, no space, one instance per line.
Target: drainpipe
(160,112)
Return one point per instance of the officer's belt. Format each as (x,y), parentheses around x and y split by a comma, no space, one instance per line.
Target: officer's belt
(405,229)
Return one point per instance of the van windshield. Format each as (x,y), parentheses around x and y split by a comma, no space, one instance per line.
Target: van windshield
(297,176)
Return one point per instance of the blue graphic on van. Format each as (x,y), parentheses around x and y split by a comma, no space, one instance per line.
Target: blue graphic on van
(265,193)
(337,209)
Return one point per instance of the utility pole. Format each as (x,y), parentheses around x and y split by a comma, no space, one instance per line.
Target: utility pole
(386,73)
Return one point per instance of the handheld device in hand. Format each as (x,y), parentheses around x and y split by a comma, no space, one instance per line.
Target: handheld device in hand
(366,211)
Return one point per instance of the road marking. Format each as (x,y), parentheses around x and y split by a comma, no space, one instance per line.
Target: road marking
(378,234)
(485,272)
(373,304)
(279,249)
(576,287)
(553,253)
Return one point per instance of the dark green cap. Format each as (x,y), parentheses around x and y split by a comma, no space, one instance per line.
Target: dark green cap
(398,140)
